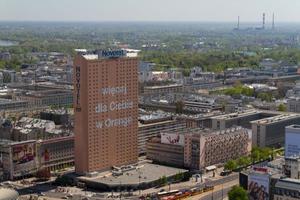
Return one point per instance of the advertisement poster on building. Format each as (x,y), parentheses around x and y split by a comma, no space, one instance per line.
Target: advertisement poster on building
(258,186)
(172,138)
(24,157)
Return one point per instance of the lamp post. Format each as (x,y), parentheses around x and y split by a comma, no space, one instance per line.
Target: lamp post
(222,192)
(139,182)
(120,190)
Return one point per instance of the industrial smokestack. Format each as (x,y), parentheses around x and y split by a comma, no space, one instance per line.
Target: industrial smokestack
(264,20)
(273,22)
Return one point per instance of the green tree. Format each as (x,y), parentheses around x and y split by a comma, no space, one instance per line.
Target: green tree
(282,108)
(258,154)
(243,161)
(179,176)
(164,180)
(230,165)
(265,96)
(266,153)
(2,64)
(238,193)
(239,90)
(255,154)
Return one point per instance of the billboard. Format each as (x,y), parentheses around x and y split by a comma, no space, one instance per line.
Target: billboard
(172,138)
(292,143)
(24,158)
(258,186)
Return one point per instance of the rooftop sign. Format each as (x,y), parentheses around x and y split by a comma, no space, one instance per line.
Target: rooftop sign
(113,54)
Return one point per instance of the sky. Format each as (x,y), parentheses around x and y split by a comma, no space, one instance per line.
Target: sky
(149,10)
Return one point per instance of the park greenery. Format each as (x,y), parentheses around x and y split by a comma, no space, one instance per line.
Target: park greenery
(282,107)
(257,155)
(180,176)
(237,193)
(162,181)
(176,45)
(265,96)
(217,61)
(209,61)
(239,90)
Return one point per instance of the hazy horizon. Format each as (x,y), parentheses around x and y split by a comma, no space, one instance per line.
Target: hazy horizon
(150,11)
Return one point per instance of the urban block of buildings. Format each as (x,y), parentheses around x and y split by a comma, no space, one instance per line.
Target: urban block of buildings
(197,149)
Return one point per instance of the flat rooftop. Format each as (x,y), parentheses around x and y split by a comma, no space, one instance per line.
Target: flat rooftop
(163,86)
(274,168)
(147,172)
(237,114)
(200,132)
(293,127)
(275,119)
(154,116)
(10,142)
(289,184)
(140,125)
(96,55)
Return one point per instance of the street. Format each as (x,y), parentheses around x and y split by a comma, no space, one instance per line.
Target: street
(218,192)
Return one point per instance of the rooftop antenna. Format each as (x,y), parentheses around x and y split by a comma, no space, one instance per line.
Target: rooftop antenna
(264,20)
(273,22)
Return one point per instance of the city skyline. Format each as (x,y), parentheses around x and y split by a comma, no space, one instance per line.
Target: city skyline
(134,10)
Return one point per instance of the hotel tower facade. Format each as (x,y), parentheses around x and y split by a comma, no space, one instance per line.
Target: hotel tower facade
(106,110)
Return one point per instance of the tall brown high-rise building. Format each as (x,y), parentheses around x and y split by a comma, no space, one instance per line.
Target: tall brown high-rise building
(106,110)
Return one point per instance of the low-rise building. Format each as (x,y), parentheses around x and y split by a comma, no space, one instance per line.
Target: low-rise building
(271,131)
(164,153)
(19,159)
(34,129)
(173,88)
(9,76)
(154,124)
(206,148)
(205,105)
(259,181)
(292,167)
(293,104)
(242,118)
(59,116)
(56,153)
(48,98)
(287,189)
(197,148)
(292,141)
(274,180)
(9,104)
(202,120)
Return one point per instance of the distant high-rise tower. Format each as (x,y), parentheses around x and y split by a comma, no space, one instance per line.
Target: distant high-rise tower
(273,22)
(264,21)
(238,23)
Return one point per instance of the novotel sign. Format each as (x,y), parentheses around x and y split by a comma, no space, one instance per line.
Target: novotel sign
(77,88)
(113,54)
